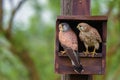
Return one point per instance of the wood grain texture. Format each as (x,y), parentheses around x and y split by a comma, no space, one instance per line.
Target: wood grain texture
(90,65)
(66,7)
(82,55)
(75,7)
(81,17)
(81,7)
(78,77)
(99,22)
(79,10)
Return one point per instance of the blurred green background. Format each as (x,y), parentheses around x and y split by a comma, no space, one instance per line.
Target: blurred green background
(27,31)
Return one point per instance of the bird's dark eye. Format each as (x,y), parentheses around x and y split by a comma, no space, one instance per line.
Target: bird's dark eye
(62,24)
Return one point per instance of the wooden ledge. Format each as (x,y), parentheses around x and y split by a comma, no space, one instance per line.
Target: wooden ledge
(99,55)
(103,18)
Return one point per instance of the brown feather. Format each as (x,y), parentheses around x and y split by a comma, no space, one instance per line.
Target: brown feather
(89,35)
(68,39)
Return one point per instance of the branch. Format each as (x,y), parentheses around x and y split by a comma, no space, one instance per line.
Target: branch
(23,55)
(116,74)
(113,49)
(111,6)
(27,62)
(11,3)
(14,11)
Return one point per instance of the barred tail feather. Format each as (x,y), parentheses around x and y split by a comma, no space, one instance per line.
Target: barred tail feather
(73,55)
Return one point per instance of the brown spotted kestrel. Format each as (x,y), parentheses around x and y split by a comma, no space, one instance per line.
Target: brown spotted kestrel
(90,37)
(68,39)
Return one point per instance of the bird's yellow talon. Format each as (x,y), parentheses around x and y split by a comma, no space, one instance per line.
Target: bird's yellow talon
(62,52)
(93,53)
(86,53)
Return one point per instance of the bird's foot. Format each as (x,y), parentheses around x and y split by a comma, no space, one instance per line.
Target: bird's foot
(93,54)
(86,53)
(62,52)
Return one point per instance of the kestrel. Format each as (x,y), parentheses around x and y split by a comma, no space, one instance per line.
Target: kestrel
(68,39)
(90,37)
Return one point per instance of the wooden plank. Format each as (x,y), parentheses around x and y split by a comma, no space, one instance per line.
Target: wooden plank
(66,7)
(75,7)
(104,58)
(91,65)
(103,18)
(65,67)
(104,31)
(63,59)
(76,77)
(81,7)
(82,55)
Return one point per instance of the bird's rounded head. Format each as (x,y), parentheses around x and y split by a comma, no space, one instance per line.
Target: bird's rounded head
(64,27)
(83,27)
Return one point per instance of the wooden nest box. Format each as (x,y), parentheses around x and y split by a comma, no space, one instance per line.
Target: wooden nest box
(92,65)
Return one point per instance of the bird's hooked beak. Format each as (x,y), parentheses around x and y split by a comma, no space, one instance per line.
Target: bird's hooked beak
(78,27)
(60,27)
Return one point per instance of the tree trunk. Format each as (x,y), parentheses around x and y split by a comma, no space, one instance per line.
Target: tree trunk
(24,56)
(27,62)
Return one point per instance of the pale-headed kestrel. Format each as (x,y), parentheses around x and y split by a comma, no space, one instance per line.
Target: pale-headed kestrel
(68,39)
(90,37)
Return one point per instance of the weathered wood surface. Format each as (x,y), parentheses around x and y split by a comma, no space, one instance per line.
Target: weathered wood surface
(73,10)
(96,64)
(76,77)
(68,8)
(75,7)
(82,55)
(79,17)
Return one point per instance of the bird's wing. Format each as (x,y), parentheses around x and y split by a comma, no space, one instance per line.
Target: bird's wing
(68,40)
(96,35)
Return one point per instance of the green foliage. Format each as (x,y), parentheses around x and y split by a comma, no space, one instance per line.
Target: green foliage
(113,39)
(38,39)
(10,66)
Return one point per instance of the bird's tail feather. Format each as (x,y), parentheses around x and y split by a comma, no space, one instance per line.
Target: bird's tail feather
(75,60)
